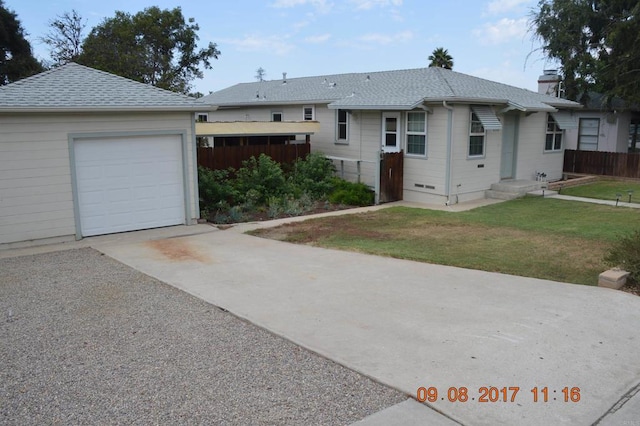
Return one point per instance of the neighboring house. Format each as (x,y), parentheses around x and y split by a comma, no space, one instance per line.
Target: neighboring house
(84,152)
(459,134)
(601,127)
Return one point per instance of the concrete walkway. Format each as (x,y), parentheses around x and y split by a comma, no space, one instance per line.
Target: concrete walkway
(412,325)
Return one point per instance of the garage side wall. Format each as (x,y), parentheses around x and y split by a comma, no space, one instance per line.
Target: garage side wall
(36,197)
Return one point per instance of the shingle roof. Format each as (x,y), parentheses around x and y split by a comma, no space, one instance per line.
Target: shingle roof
(402,89)
(74,87)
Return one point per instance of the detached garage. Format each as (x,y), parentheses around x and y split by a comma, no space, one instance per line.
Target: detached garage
(84,152)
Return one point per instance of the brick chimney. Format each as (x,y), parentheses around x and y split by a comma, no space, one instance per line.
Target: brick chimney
(549,83)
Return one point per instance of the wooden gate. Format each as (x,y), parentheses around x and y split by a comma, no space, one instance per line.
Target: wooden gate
(391,174)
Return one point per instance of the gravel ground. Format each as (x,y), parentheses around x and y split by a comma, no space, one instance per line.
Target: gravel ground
(87,340)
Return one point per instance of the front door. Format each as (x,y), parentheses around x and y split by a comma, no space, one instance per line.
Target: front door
(390,131)
(509,145)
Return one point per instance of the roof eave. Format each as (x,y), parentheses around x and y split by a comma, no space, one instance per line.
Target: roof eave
(262,102)
(89,109)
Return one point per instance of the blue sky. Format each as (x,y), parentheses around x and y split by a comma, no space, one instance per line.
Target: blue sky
(488,39)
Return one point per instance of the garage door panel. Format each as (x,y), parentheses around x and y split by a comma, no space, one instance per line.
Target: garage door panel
(129,183)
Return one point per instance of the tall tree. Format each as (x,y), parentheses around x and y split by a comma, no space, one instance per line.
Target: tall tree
(65,37)
(596,42)
(260,74)
(440,58)
(16,58)
(153,46)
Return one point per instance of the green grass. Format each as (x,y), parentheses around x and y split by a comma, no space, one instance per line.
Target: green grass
(606,190)
(534,237)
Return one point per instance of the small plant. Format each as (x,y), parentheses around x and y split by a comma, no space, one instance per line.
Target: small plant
(625,254)
(351,194)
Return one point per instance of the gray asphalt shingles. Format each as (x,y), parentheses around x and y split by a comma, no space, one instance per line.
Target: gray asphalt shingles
(85,339)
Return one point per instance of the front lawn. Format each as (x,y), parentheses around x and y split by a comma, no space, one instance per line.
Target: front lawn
(606,190)
(534,237)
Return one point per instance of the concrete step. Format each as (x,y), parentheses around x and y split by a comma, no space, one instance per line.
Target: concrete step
(519,187)
(501,195)
(542,193)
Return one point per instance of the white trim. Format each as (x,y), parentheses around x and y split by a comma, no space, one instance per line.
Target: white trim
(346,122)
(410,133)
(398,132)
(476,134)
(313,113)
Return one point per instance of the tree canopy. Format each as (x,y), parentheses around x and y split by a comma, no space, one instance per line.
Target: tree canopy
(65,37)
(153,46)
(440,58)
(596,42)
(16,58)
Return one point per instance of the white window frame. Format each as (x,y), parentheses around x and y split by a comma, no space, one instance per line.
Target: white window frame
(556,131)
(202,114)
(304,113)
(274,113)
(414,133)
(581,127)
(346,126)
(472,134)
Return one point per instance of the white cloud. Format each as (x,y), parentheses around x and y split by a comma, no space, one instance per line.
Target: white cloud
(386,39)
(320,5)
(268,44)
(502,6)
(322,38)
(503,31)
(370,4)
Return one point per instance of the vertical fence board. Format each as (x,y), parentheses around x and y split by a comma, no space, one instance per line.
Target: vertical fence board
(619,164)
(223,157)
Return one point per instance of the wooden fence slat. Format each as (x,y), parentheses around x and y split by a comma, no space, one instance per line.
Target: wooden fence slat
(620,164)
(223,157)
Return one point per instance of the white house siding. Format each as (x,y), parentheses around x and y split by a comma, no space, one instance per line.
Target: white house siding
(430,171)
(613,133)
(531,155)
(36,199)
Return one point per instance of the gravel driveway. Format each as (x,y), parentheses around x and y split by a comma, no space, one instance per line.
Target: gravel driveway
(87,340)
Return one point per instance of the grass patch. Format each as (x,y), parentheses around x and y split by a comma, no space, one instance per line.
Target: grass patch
(534,237)
(606,190)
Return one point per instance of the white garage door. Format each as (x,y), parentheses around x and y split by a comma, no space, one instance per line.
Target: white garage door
(125,184)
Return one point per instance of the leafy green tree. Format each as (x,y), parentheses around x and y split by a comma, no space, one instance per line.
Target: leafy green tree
(440,58)
(153,46)
(65,37)
(16,59)
(596,42)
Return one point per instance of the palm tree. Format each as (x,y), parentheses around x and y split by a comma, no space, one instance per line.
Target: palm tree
(440,58)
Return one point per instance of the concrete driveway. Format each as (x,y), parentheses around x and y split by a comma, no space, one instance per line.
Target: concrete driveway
(546,352)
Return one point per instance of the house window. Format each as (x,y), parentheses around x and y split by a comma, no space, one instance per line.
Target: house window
(476,137)
(276,115)
(417,133)
(202,117)
(588,134)
(308,113)
(342,125)
(553,141)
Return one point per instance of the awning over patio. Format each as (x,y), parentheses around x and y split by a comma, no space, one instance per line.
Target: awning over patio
(257,128)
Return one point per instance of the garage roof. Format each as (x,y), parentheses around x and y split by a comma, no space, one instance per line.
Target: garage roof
(76,88)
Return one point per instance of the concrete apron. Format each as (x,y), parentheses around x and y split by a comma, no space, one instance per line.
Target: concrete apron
(412,325)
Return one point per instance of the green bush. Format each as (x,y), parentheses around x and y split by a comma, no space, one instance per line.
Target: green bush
(625,254)
(262,176)
(313,175)
(215,188)
(351,194)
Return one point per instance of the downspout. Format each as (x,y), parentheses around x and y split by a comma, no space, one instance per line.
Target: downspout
(449,168)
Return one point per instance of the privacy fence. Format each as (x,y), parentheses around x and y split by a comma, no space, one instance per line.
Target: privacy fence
(223,157)
(618,164)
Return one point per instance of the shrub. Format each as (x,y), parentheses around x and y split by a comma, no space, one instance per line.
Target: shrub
(351,194)
(313,175)
(215,188)
(262,175)
(625,254)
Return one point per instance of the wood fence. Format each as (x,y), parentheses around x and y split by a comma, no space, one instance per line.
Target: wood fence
(618,164)
(223,157)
